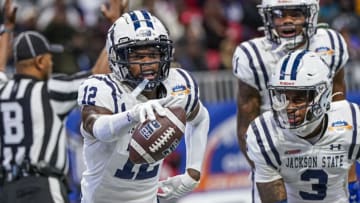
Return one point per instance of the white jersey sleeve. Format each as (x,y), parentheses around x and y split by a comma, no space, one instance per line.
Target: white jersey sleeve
(331,46)
(264,154)
(250,63)
(181,83)
(100,90)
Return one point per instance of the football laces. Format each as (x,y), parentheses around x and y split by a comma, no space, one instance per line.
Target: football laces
(162,140)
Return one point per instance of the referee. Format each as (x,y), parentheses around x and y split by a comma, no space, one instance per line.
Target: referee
(33,140)
(33,104)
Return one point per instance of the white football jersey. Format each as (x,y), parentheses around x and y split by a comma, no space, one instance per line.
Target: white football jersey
(254,60)
(110,176)
(310,171)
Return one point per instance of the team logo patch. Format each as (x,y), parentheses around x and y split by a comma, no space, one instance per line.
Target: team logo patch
(146,32)
(335,147)
(324,51)
(180,90)
(340,126)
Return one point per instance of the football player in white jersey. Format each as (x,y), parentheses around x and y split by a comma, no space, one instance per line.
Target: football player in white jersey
(288,25)
(303,149)
(141,82)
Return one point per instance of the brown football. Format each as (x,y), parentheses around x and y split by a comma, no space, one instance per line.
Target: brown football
(154,140)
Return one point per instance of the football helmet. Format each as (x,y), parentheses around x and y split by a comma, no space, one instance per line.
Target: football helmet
(134,30)
(307,74)
(268,9)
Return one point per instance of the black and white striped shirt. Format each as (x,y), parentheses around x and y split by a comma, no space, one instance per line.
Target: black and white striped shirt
(31,119)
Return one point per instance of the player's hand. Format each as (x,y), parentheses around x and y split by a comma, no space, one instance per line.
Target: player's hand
(113,11)
(10,14)
(143,111)
(177,186)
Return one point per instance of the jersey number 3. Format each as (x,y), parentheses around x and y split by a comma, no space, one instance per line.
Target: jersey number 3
(320,187)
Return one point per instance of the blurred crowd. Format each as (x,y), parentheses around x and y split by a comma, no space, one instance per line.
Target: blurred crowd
(205,32)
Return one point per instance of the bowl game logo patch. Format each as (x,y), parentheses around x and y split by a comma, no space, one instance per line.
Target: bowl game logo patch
(323,51)
(180,90)
(340,126)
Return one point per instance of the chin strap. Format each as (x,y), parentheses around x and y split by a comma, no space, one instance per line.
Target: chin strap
(280,47)
(337,93)
(289,44)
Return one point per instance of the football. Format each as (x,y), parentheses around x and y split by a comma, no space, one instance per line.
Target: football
(152,141)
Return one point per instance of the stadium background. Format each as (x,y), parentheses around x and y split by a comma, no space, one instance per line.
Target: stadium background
(205,33)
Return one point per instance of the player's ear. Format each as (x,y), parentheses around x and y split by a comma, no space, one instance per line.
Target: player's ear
(40,62)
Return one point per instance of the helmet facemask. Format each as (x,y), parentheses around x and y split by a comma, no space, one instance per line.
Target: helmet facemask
(123,63)
(269,13)
(314,101)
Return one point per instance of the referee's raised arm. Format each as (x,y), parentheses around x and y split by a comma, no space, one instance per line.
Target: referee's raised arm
(6,30)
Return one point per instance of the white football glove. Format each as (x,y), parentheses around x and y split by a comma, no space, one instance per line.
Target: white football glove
(177,186)
(141,112)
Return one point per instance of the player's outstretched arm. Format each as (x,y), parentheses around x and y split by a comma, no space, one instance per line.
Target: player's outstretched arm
(196,131)
(100,123)
(248,108)
(272,192)
(105,126)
